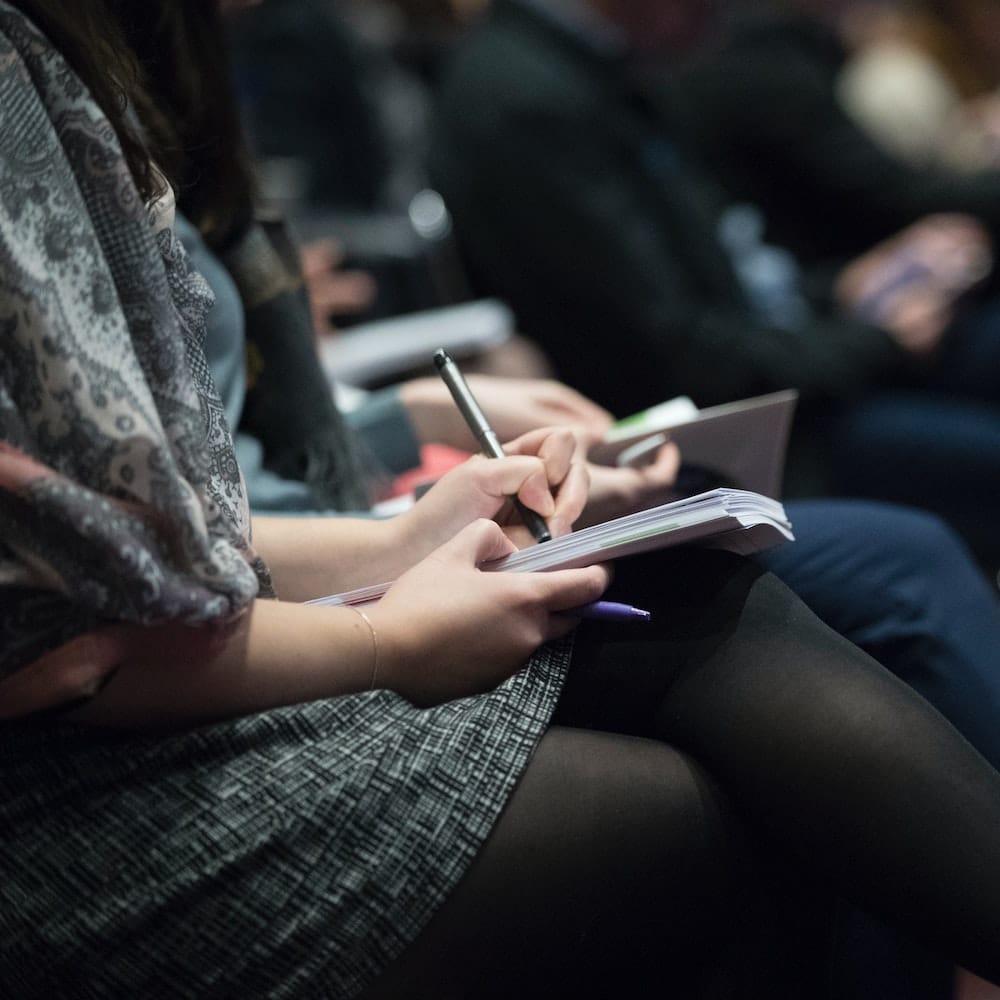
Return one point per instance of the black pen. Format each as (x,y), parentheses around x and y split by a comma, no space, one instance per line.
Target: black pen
(483,433)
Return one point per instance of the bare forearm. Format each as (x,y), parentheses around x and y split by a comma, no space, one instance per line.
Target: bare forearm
(312,557)
(277,654)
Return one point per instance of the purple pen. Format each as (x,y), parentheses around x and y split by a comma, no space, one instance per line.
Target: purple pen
(611,611)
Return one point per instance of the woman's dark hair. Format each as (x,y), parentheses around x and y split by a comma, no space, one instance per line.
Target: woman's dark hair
(88,38)
(181,47)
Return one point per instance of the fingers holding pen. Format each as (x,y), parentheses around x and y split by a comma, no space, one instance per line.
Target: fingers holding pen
(567,478)
(521,476)
(530,479)
(555,448)
(478,488)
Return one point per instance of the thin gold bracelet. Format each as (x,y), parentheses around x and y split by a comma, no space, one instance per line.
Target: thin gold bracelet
(371,628)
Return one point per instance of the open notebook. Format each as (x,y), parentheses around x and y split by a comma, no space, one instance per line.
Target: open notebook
(738,520)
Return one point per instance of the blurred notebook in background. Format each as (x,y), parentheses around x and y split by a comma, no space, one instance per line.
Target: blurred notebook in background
(744,441)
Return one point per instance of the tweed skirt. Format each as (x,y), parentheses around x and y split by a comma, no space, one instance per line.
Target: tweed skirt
(292,853)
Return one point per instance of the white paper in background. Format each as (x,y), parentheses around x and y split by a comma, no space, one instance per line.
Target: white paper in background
(369,353)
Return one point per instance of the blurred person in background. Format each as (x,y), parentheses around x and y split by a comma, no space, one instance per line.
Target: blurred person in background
(761,106)
(581,197)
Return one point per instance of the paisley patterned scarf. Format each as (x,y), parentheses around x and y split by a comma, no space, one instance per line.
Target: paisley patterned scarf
(120,497)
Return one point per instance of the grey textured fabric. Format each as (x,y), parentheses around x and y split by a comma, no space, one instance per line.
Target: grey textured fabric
(288,854)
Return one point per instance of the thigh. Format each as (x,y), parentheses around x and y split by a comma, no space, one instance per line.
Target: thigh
(792,717)
(622,671)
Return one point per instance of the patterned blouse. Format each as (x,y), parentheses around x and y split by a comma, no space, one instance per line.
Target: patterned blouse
(120,497)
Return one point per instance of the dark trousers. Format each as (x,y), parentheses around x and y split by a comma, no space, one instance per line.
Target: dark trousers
(935,444)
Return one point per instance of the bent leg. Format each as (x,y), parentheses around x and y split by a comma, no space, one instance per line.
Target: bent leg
(841,764)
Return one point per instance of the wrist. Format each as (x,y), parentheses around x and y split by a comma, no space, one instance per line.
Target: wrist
(408,540)
(398,645)
(374,680)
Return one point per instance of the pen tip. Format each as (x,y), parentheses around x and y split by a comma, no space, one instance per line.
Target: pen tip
(441,357)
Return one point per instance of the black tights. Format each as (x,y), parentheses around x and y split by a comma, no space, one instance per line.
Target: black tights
(707,781)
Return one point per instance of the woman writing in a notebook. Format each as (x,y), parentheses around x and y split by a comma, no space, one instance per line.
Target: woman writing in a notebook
(208,791)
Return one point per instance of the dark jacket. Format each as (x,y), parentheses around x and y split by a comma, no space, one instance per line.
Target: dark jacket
(572,202)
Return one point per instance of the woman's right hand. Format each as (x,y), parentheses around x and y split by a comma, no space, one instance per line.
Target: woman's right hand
(546,470)
(447,629)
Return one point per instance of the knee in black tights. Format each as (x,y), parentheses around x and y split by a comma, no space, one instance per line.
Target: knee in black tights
(615,870)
